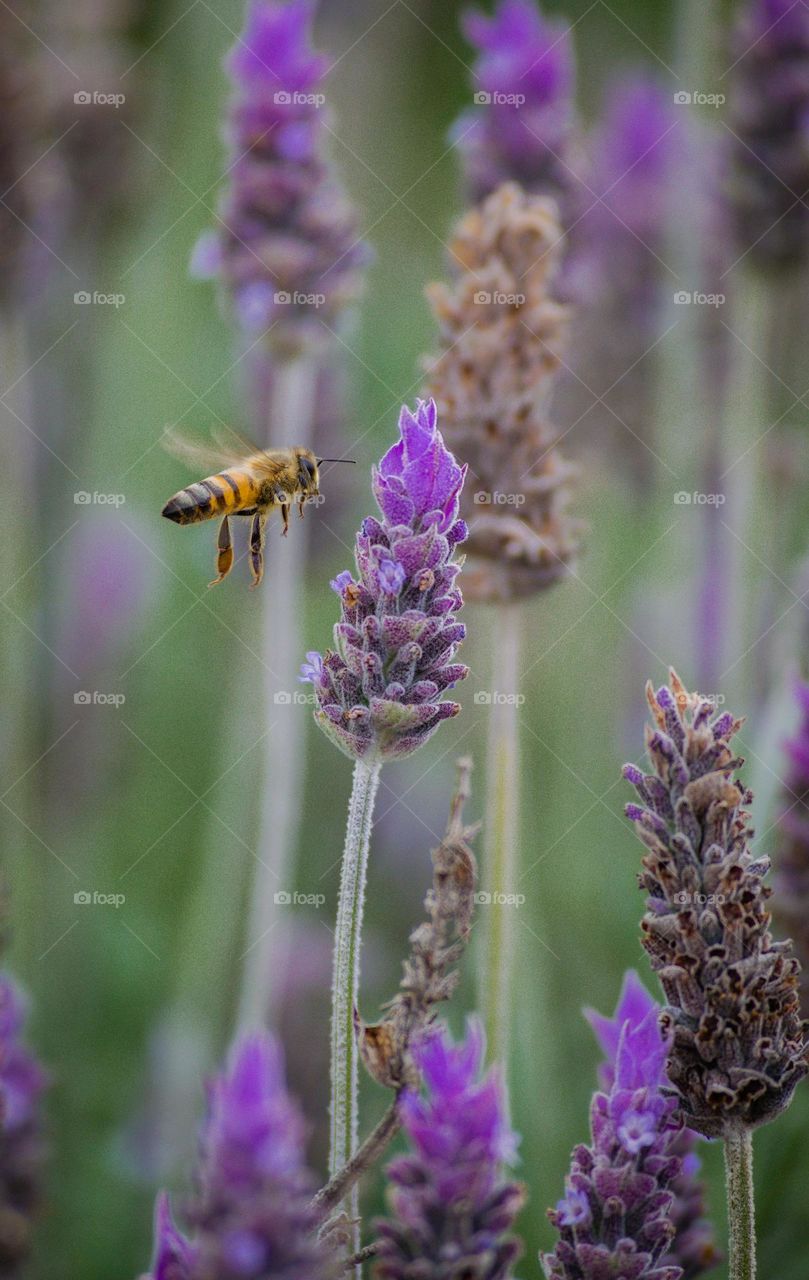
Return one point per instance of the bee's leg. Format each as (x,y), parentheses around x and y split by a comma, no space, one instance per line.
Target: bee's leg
(285,518)
(224,556)
(301,505)
(257,548)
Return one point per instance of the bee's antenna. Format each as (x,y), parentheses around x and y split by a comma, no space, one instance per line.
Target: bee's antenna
(353,461)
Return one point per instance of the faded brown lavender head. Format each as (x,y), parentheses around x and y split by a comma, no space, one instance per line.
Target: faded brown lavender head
(501,334)
(430,975)
(738,1046)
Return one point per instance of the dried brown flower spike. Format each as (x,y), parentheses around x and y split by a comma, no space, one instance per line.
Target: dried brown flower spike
(436,946)
(501,334)
(739,1046)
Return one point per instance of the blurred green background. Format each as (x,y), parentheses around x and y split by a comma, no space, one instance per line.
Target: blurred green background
(157,798)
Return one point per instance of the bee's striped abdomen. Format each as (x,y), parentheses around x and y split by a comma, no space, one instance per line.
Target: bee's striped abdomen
(217,495)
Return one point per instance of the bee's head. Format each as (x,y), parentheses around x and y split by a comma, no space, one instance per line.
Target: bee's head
(307,464)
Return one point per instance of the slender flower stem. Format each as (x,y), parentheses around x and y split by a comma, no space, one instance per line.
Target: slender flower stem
(337,1188)
(741,1204)
(345,988)
(291,414)
(501,827)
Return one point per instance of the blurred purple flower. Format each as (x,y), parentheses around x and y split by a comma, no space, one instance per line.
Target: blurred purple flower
(451,1207)
(380,691)
(252,1212)
(521,126)
(286,248)
(693,1248)
(792,857)
(615,1216)
(22,1081)
(770,127)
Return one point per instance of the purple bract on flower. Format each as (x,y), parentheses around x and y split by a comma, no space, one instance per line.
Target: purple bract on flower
(286,246)
(521,126)
(379,693)
(792,857)
(451,1207)
(615,1218)
(693,1248)
(769,126)
(738,1045)
(22,1081)
(252,1214)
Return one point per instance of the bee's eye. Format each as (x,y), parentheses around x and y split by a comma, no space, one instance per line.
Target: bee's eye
(309,466)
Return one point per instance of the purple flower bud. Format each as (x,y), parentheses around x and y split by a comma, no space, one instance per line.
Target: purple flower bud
(379,692)
(448,1198)
(342,580)
(693,1248)
(252,1211)
(286,250)
(520,128)
(312,669)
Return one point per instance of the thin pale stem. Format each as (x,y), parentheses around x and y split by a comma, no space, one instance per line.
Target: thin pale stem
(501,829)
(338,1187)
(291,416)
(345,988)
(741,1205)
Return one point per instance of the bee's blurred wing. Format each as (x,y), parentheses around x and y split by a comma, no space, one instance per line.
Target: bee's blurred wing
(203,455)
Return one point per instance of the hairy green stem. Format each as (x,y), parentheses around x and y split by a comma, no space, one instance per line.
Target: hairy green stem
(501,831)
(284,764)
(345,986)
(741,1205)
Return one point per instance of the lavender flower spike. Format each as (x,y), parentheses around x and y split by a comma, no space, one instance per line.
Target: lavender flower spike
(693,1248)
(451,1207)
(615,1217)
(252,1211)
(792,860)
(739,1047)
(521,127)
(22,1081)
(379,693)
(286,247)
(770,128)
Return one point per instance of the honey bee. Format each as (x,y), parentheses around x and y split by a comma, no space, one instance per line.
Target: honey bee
(250,482)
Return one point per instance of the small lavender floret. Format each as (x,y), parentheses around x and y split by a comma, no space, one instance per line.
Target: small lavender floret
(286,247)
(252,1214)
(451,1207)
(379,692)
(22,1081)
(521,128)
(615,1217)
(738,1046)
(693,1248)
